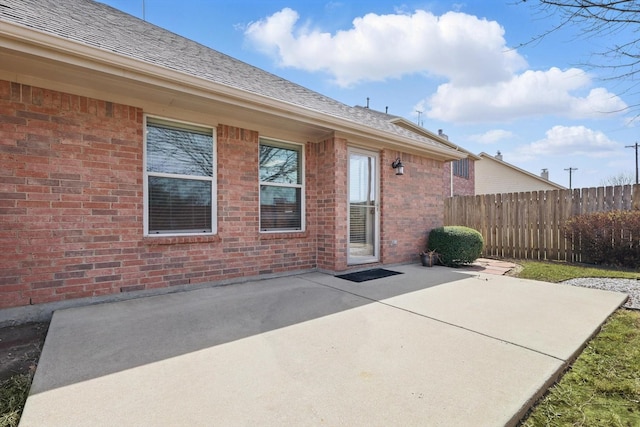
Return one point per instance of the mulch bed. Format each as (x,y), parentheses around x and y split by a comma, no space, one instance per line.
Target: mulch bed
(20,348)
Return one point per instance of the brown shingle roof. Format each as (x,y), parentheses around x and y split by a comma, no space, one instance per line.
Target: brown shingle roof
(103,27)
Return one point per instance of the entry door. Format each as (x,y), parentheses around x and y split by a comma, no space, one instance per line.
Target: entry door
(363,207)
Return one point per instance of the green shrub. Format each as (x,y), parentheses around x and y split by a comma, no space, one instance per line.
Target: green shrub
(456,244)
(607,238)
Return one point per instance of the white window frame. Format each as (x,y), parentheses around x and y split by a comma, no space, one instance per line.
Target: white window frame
(212,179)
(301,150)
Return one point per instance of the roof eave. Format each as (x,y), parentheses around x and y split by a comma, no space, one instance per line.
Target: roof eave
(426,132)
(44,45)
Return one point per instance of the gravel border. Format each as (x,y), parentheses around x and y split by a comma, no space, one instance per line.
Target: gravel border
(627,286)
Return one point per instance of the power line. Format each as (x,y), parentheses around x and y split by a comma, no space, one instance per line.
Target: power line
(636,147)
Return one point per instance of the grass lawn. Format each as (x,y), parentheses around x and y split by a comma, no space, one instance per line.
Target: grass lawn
(559,271)
(13,395)
(602,387)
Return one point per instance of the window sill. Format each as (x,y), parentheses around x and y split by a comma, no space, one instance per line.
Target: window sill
(177,240)
(265,235)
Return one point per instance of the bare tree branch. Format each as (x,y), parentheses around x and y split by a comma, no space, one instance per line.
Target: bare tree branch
(601,20)
(623,178)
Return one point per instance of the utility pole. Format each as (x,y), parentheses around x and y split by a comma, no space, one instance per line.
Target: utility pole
(636,147)
(570,173)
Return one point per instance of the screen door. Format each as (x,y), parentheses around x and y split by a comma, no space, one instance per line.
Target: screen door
(363,207)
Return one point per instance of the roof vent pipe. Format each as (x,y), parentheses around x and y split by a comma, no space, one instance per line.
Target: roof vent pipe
(499,155)
(443,135)
(367,102)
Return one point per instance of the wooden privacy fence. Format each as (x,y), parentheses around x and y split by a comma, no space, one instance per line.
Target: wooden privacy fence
(529,225)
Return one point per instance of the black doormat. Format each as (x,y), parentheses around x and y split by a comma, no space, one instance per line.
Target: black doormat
(363,276)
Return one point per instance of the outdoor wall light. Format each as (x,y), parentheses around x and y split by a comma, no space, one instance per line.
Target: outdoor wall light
(398,166)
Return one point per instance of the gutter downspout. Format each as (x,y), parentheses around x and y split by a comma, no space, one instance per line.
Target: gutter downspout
(451,178)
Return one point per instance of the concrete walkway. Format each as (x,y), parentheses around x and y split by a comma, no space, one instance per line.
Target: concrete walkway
(430,347)
(491,266)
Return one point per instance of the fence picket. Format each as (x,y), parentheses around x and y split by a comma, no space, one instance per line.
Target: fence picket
(626,198)
(600,202)
(514,225)
(529,225)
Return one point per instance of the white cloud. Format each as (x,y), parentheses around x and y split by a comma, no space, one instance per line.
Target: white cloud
(484,78)
(462,48)
(569,140)
(532,93)
(598,103)
(492,136)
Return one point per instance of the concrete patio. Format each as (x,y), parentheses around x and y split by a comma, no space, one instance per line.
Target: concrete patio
(433,346)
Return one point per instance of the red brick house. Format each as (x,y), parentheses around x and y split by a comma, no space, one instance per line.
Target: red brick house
(134,161)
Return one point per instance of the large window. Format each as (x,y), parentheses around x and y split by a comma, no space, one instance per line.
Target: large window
(281,186)
(461,168)
(179,178)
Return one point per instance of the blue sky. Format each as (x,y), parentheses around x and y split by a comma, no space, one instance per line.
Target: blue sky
(463,65)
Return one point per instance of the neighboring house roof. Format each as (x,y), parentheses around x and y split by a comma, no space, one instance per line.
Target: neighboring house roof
(143,51)
(495,176)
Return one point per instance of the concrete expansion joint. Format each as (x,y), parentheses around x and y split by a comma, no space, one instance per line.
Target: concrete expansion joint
(436,319)
(475,332)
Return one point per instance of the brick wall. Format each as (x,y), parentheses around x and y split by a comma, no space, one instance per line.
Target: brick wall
(70,194)
(332,204)
(411,205)
(71,206)
(461,186)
